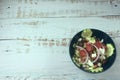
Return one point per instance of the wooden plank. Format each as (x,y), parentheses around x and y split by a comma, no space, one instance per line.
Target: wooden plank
(54,28)
(55,8)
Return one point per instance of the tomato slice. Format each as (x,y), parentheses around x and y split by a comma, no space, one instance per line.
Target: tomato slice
(82,53)
(104,47)
(89,47)
(98,44)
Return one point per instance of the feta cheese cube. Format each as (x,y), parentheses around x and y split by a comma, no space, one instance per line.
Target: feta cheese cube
(102,50)
(90,63)
(93,55)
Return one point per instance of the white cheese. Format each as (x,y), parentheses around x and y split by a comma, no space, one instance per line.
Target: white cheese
(79,60)
(90,63)
(93,55)
(102,50)
(79,39)
(102,41)
(99,64)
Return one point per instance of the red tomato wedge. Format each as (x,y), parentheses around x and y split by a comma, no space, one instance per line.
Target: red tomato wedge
(82,53)
(89,47)
(98,44)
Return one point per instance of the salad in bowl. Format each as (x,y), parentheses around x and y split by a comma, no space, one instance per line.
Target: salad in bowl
(92,50)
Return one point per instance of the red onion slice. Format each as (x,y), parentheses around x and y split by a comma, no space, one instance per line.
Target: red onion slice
(87,57)
(98,54)
(86,54)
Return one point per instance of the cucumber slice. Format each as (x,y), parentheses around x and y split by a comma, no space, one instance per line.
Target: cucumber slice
(91,39)
(109,50)
(86,33)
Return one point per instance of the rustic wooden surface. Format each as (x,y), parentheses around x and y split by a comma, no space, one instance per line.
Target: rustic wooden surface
(35,37)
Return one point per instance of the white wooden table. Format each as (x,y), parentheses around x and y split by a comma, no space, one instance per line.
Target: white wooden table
(35,37)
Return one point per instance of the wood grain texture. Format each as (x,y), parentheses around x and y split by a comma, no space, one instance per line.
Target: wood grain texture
(58,8)
(35,37)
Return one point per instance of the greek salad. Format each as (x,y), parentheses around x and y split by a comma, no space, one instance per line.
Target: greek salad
(90,52)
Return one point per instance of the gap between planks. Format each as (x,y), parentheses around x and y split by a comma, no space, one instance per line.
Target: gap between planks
(103,16)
